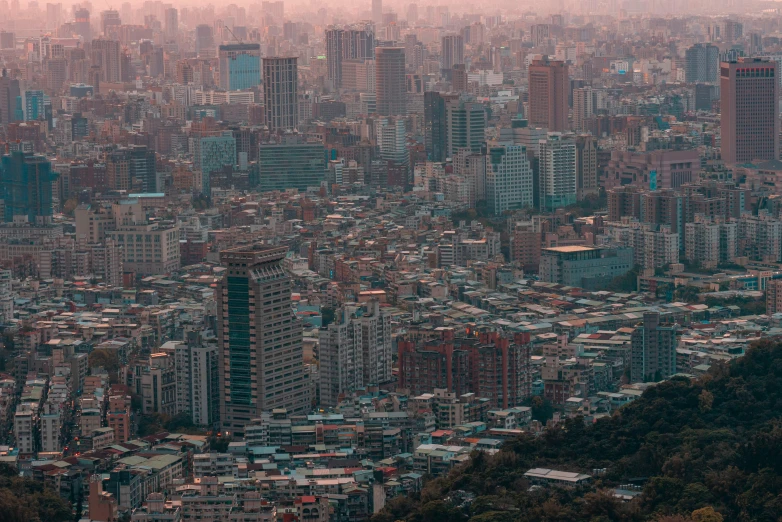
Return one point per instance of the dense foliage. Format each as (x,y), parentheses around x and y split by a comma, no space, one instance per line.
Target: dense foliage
(27,500)
(704,450)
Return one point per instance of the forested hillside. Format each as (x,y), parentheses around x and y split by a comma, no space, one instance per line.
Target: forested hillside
(703,450)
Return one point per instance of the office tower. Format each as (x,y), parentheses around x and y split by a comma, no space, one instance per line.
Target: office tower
(391,140)
(81,23)
(557,172)
(7,40)
(390,85)
(435,126)
(451,53)
(412,13)
(240,66)
(508,178)
(204,40)
(732,30)
(583,107)
(702,63)
(653,350)
(359,42)
(472,166)
(26,182)
(106,54)
(275,11)
(586,166)
(171,19)
(548,93)
(131,166)
(749,94)
(466,125)
(216,152)
(334,54)
(358,75)
(261,355)
(377,11)
(56,74)
(32,105)
(293,163)
(459,78)
(280,93)
(9,92)
(108,19)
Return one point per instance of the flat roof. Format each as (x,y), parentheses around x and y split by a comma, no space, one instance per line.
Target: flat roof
(570,248)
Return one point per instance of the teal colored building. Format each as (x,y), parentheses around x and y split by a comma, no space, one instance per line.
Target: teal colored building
(240,66)
(26,182)
(215,153)
(292,164)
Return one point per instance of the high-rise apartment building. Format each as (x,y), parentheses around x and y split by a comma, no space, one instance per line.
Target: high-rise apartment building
(773,296)
(108,20)
(583,107)
(281,92)
(508,178)
(702,63)
(261,355)
(391,140)
(557,172)
(390,85)
(204,40)
(548,94)
(653,350)
(586,166)
(749,104)
(334,54)
(240,66)
(377,11)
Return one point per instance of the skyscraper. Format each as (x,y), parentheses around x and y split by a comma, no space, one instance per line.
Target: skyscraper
(377,11)
(583,107)
(390,84)
(108,19)
(280,93)
(9,91)
(702,63)
(261,355)
(106,54)
(435,126)
(557,168)
(171,16)
(749,94)
(334,54)
(548,93)
(81,23)
(204,39)
(26,187)
(240,66)
(466,124)
(451,52)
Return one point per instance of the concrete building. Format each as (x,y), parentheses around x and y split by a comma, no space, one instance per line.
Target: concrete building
(557,172)
(702,63)
(261,357)
(653,170)
(749,107)
(508,178)
(653,350)
(390,85)
(548,94)
(584,267)
(281,92)
(239,66)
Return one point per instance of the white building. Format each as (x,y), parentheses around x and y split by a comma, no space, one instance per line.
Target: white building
(391,139)
(508,178)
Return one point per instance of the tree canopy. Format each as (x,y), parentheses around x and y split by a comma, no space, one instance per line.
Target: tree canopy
(705,450)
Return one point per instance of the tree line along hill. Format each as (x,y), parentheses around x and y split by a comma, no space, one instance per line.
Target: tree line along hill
(702,450)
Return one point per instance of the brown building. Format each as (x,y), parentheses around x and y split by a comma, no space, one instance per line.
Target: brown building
(624,201)
(491,366)
(390,81)
(548,94)
(749,94)
(773,296)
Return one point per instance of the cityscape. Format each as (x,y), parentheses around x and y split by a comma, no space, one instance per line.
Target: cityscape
(386,261)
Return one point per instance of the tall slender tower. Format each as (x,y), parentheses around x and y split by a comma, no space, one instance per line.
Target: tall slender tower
(280,92)
(749,94)
(390,85)
(335,42)
(261,356)
(548,93)
(172,23)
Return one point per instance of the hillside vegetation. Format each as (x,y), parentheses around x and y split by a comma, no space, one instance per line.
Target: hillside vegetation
(704,450)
